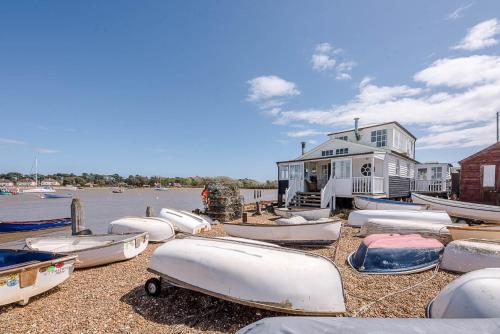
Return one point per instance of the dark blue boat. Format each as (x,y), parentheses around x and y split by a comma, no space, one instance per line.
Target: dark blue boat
(21,226)
(53,195)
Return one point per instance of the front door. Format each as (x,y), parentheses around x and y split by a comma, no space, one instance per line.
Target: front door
(341,173)
(297,176)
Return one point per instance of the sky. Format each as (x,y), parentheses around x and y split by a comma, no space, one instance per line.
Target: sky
(184,88)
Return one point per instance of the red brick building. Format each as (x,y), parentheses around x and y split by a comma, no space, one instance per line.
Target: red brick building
(480,176)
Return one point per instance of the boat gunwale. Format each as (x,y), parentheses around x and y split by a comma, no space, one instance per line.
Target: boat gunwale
(37,222)
(289,209)
(480,228)
(458,204)
(388,201)
(284,225)
(406,272)
(64,258)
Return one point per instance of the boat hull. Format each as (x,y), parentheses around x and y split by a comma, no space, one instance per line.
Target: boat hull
(474,232)
(19,284)
(56,196)
(471,254)
(7,227)
(467,210)
(93,250)
(370,203)
(320,233)
(430,230)
(308,214)
(158,229)
(185,222)
(272,278)
(359,218)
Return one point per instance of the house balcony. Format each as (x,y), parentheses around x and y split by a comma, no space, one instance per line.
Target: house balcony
(431,186)
(368,185)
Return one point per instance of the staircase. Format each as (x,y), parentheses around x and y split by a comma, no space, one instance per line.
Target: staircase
(306,199)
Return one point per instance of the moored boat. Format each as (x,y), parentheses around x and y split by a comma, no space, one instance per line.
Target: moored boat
(19,226)
(467,210)
(322,232)
(185,221)
(55,195)
(395,254)
(93,250)
(471,254)
(372,203)
(4,192)
(359,218)
(158,229)
(472,295)
(38,190)
(268,277)
(26,273)
(477,232)
(307,213)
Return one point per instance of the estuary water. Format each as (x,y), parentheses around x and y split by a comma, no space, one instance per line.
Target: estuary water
(101,206)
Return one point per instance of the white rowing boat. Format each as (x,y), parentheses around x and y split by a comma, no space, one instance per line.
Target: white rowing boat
(93,250)
(158,229)
(359,218)
(472,295)
(273,278)
(323,232)
(307,213)
(27,273)
(471,254)
(476,232)
(185,221)
(486,213)
(371,203)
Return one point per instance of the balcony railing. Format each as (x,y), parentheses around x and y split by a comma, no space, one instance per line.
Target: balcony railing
(431,186)
(368,185)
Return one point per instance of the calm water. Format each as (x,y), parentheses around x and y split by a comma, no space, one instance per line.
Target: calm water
(102,206)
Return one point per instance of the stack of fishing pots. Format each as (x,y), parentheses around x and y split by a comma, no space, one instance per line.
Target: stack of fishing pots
(224,202)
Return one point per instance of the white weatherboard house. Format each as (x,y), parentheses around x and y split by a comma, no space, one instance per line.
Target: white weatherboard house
(432,177)
(376,160)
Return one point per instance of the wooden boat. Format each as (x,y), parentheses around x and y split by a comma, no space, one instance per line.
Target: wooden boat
(26,273)
(158,229)
(185,221)
(307,213)
(360,217)
(19,226)
(477,232)
(430,230)
(467,210)
(395,254)
(267,277)
(93,250)
(471,254)
(331,325)
(371,203)
(310,233)
(55,195)
(472,295)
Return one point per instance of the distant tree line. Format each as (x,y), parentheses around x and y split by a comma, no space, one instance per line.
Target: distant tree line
(115,180)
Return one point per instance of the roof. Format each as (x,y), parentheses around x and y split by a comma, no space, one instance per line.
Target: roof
(330,157)
(374,125)
(496,145)
(403,156)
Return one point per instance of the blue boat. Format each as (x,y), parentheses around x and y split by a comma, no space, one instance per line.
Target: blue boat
(372,203)
(22,226)
(54,195)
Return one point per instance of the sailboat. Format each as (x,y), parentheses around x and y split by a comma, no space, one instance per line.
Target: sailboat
(37,189)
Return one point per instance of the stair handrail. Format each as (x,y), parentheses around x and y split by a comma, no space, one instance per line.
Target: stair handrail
(289,193)
(327,193)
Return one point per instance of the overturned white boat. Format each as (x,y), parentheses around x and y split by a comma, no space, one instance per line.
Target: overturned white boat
(332,325)
(360,217)
(474,211)
(472,295)
(158,229)
(471,254)
(185,221)
(430,230)
(268,277)
(307,213)
(372,203)
(93,250)
(27,273)
(322,232)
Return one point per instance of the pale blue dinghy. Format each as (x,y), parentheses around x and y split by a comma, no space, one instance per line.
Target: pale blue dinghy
(371,203)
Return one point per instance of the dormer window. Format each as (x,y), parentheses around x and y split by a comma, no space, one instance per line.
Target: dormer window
(341,151)
(342,138)
(379,137)
(326,153)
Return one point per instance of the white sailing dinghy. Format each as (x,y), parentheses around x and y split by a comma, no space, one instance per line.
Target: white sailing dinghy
(93,250)
(471,254)
(185,221)
(359,218)
(322,232)
(267,277)
(477,232)
(475,211)
(307,213)
(371,203)
(158,229)
(472,295)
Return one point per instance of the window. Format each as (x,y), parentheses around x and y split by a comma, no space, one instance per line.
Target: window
(397,139)
(340,151)
(342,138)
(324,170)
(326,153)
(341,169)
(283,172)
(489,176)
(295,172)
(366,169)
(436,173)
(398,168)
(379,137)
(422,173)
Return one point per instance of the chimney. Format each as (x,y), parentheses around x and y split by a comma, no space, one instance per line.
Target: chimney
(356,131)
(303,145)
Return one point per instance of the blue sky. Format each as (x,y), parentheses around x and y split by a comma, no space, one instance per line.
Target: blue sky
(229,87)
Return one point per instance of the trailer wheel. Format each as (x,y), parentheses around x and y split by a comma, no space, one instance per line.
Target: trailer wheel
(153,287)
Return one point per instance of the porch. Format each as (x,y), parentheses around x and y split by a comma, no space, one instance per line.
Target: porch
(431,186)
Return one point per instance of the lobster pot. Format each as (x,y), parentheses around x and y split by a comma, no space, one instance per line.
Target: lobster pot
(429,230)
(224,202)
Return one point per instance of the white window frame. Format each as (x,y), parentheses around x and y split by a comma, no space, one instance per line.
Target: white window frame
(435,172)
(419,175)
(379,137)
(489,173)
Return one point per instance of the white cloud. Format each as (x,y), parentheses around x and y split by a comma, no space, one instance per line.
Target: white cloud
(474,136)
(480,36)
(269,87)
(343,76)
(46,150)
(8,141)
(458,13)
(323,60)
(305,133)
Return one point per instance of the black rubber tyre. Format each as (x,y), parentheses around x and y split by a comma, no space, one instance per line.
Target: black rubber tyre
(153,287)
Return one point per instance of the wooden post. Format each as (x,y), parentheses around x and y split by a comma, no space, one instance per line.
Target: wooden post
(149,211)
(258,209)
(245,217)
(76,215)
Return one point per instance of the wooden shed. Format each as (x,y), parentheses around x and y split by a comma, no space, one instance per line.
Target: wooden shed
(480,176)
